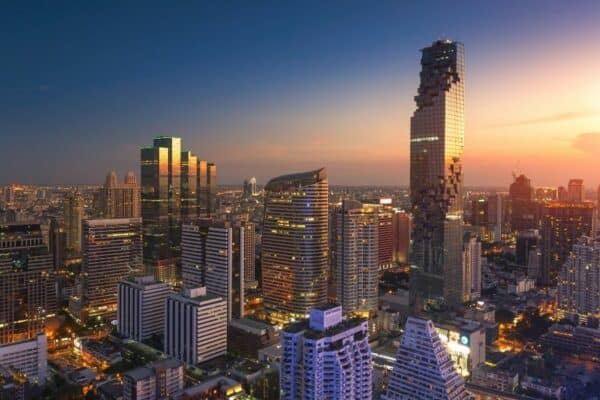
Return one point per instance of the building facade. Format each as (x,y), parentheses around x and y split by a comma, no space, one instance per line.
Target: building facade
(120,200)
(141,307)
(28,356)
(73,212)
(423,368)
(326,357)
(436,176)
(155,381)
(112,250)
(195,326)
(295,245)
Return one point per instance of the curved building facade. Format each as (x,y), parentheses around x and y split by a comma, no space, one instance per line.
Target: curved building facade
(295,245)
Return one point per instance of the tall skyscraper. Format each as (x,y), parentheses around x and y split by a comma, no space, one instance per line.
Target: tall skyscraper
(73,212)
(195,326)
(562,224)
(27,283)
(423,368)
(357,250)
(141,307)
(120,200)
(436,177)
(295,245)
(579,281)
(326,357)
(576,191)
(176,187)
(112,250)
(161,206)
(214,255)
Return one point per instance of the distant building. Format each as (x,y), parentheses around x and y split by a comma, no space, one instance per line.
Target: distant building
(141,307)
(357,254)
(295,247)
(155,381)
(472,267)
(195,326)
(424,369)
(563,223)
(578,292)
(576,191)
(120,200)
(250,187)
(521,195)
(28,356)
(326,357)
(73,212)
(112,250)
(402,227)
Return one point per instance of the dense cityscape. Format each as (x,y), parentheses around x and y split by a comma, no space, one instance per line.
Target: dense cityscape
(165,283)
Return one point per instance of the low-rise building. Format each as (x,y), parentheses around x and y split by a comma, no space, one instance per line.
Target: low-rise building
(247,336)
(495,378)
(157,380)
(29,357)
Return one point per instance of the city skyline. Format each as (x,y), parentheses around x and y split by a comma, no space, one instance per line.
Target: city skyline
(333,88)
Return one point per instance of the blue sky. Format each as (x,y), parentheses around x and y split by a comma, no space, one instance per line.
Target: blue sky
(260,88)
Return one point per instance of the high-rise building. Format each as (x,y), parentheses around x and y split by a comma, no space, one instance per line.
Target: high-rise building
(326,357)
(436,177)
(57,243)
(120,200)
(385,231)
(562,224)
(112,250)
(73,212)
(141,307)
(498,215)
(161,206)
(295,245)
(195,326)
(176,187)
(472,266)
(402,227)
(479,211)
(528,251)
(576,191)
(27,356)
(155,381)
(523,208)
(214,254)
(27,283)
(423,368)
(250,187)
(579,281)
(357,250)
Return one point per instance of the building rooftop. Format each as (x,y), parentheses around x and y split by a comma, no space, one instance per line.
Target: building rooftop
(297,179)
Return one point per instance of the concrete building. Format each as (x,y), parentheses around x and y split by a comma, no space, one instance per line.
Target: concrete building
(424,369)
(155,381)
(29,357)
(112,251)
(195,326)
(326,357)
(295,246)
(141,307)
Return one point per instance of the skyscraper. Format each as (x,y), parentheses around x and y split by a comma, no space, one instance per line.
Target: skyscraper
(73,212)
(120,200)
(195,326)
(141,307)
(579,281)
(357,251)
(326,357)
(112,250)
(522,213)
(402,227)
(423,368)
(562,224)
(472,266)
(176,187)
(27,283)
(295,244)
(436,177)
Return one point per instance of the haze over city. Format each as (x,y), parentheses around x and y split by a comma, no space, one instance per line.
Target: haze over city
(268,88)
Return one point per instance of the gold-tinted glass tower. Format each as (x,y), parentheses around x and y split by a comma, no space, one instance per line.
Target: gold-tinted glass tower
(436,178)
(295,245)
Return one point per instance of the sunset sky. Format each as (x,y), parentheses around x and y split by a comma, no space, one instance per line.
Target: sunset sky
(262,88)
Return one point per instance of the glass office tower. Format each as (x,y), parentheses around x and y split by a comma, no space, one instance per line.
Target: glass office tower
(295,245)
(436,177)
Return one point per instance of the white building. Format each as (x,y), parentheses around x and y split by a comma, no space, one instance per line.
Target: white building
(157,380)
(141,307)
(326,357)
(195,326)
(357,247)
(471,267)
(193,240)
(579,281)
(423,369)
(28,356)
